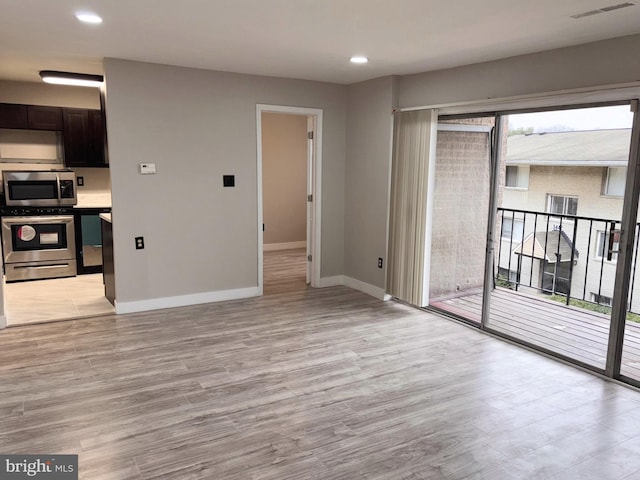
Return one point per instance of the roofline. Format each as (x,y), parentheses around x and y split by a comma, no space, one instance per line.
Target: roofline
(570,163)
(533,134)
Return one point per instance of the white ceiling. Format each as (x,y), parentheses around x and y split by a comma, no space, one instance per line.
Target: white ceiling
(307,39)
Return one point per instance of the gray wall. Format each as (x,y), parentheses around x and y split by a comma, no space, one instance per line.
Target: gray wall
(367,173)
(369,133)
(284,177)
(592,64)
(197,125)
(32,93)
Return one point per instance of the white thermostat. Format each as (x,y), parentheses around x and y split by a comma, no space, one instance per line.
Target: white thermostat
(147,168)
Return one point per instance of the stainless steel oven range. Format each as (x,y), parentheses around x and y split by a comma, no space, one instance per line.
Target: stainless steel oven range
(38,243)
(38,232)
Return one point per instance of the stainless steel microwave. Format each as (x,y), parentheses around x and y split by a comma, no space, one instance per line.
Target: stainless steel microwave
(39,188)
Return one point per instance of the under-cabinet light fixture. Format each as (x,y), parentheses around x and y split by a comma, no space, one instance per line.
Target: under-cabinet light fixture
(69,78)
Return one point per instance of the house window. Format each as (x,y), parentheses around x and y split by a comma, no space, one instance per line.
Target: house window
(602,248)
(600,299)
(517,176)
(613,181)
(562,205)
(512,229)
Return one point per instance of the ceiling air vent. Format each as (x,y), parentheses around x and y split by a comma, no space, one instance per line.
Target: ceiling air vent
(610,8)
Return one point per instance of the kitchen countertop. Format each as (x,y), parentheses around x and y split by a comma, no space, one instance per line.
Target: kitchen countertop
(106,217)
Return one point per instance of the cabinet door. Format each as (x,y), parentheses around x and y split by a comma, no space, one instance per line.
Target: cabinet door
(88,242)
(97,138)
(76,136)
(44,118)
(13,116)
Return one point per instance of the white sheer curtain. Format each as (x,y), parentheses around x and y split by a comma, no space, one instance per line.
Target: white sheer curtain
(412,182)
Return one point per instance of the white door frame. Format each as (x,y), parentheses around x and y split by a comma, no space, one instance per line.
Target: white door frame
(316,174)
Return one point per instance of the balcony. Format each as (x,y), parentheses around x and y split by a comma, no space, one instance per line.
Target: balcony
(553,284)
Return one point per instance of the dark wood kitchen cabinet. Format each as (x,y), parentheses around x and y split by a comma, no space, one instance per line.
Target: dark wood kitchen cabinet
(84,138)
(83,130)
(13,115)
(44,118)
(108,272)
(32,117)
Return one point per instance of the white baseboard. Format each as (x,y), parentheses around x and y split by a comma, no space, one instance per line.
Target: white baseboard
(331,281)
(184,300)
(367,288)
(268,247)
(3,321)
(221,296)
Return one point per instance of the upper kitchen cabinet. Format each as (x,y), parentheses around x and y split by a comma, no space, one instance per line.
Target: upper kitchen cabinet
(32,117)
(13,116)
(44,118)
(84,138)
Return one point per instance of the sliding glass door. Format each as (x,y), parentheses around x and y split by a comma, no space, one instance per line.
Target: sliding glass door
(559,207)
(624,354)
(525,227)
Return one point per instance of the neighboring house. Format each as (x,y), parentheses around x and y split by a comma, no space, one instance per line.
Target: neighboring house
(564,175)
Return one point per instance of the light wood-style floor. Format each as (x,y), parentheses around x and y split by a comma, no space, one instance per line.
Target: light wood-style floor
(314,384)
(284,271)
(55,299)
(83,296)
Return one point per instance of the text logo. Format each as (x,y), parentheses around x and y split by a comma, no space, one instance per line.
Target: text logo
(49,467)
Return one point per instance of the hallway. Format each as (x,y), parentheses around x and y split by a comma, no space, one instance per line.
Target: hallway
(284,271)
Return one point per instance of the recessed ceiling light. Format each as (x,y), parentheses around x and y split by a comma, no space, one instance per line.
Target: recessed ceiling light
(358,59)
(88,17)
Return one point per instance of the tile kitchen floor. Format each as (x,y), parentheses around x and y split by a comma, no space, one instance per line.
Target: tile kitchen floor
(55,299)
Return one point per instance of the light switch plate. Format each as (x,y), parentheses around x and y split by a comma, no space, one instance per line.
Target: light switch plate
(147,168)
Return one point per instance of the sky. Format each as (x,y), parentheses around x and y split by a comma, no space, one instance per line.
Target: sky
(597,118)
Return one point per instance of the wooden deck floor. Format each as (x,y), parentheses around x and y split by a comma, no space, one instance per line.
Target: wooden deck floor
(569,331)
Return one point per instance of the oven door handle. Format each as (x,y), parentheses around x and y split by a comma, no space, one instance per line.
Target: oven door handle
(58,192)
(40,267)
(35,219)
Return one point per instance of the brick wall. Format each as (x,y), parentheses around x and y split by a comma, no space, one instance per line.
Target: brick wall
(461,202)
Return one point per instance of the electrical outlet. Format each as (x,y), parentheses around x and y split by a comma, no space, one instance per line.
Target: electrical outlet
(139,243)
(379,262)
(80,181)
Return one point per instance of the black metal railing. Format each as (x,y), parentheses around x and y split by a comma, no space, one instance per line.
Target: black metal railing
(561,254)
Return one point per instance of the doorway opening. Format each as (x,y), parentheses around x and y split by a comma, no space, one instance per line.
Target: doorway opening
(53,254)
(289,159)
